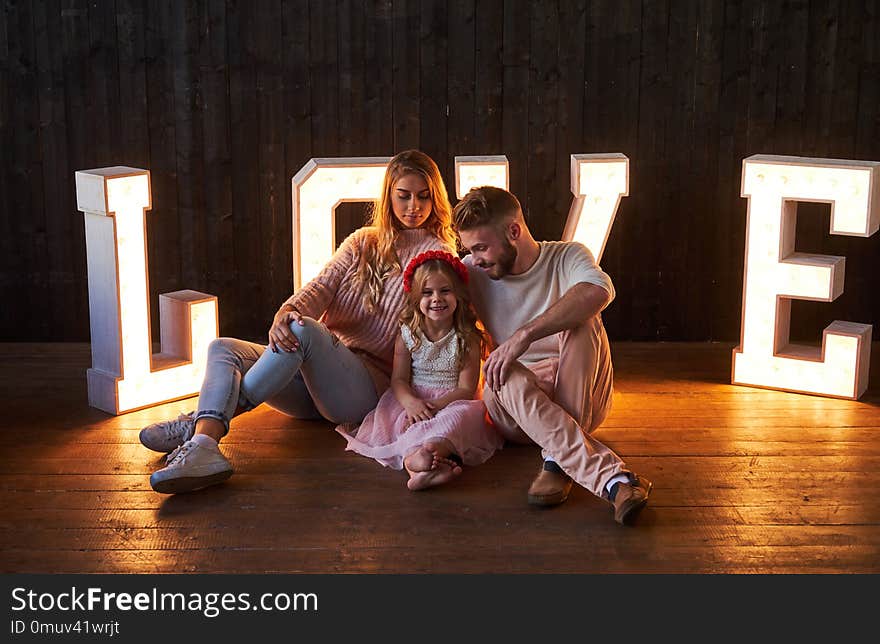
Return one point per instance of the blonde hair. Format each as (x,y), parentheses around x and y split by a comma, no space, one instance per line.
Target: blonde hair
(464,319)
(379,259)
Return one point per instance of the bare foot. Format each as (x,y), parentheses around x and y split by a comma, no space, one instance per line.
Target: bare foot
(443,473)
(442,460)
(429,465)
(441,448)
(420,460)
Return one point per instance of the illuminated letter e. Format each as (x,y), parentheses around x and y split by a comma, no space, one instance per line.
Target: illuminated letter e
(775,273)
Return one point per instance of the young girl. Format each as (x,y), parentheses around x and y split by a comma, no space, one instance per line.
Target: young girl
(428,421)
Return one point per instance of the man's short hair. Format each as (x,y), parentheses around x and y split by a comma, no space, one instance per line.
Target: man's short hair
(485,206)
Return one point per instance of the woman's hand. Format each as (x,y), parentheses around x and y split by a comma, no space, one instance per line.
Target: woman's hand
(281,338)
(417,410)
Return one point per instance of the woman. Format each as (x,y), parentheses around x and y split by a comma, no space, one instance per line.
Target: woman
(330,344)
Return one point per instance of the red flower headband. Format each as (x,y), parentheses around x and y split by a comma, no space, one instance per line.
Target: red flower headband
(421,258)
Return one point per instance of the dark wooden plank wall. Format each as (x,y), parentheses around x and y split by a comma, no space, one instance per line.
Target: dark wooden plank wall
(224,102)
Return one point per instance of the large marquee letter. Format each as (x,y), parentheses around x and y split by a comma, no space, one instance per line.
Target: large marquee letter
(473,172)
(598,181)
(775,273)
(125,375)
(320,186)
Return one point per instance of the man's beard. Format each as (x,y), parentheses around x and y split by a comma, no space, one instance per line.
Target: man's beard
(504,265)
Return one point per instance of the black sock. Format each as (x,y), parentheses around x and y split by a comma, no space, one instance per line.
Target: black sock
(613,492)
(551,466)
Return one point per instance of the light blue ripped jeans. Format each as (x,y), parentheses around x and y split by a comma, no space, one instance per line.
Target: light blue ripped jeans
(321,379)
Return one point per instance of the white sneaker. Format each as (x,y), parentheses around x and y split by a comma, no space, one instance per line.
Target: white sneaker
(168,435)
(192,466)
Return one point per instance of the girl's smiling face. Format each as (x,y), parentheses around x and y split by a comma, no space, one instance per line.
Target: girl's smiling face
(438,301)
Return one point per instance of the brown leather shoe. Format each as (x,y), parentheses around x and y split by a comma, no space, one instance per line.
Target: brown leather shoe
(551,486)
(631,498)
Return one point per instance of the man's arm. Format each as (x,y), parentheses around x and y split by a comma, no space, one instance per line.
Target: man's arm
(580,303)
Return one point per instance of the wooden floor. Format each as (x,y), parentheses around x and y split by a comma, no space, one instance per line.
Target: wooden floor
(746,481)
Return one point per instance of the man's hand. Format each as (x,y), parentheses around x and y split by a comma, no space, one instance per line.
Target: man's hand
(499,363)
(280,336)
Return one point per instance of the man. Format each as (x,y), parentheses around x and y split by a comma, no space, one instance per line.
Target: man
(549,379)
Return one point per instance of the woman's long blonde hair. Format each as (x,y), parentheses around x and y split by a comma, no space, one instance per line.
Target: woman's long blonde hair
(464,319)
(379,259)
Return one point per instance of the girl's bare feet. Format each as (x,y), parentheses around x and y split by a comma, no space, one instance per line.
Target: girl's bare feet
(441,449)
(429,465)
(420,460)
(442,474)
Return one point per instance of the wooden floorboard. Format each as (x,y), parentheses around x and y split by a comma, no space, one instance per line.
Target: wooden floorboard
(746,481)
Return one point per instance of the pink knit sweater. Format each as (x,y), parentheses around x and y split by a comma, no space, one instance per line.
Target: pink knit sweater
(335,297)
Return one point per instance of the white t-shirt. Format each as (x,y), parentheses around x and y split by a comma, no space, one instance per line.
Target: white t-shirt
(507,304)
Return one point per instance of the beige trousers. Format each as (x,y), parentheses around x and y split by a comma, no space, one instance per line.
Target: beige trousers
(556,404)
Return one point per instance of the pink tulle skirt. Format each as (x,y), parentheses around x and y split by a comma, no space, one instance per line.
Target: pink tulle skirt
(383,435)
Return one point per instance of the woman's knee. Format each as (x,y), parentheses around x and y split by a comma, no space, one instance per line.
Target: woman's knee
(221,348)
(308,330)
(233,352)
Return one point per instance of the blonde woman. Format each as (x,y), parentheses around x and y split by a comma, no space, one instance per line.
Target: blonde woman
(331,344)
